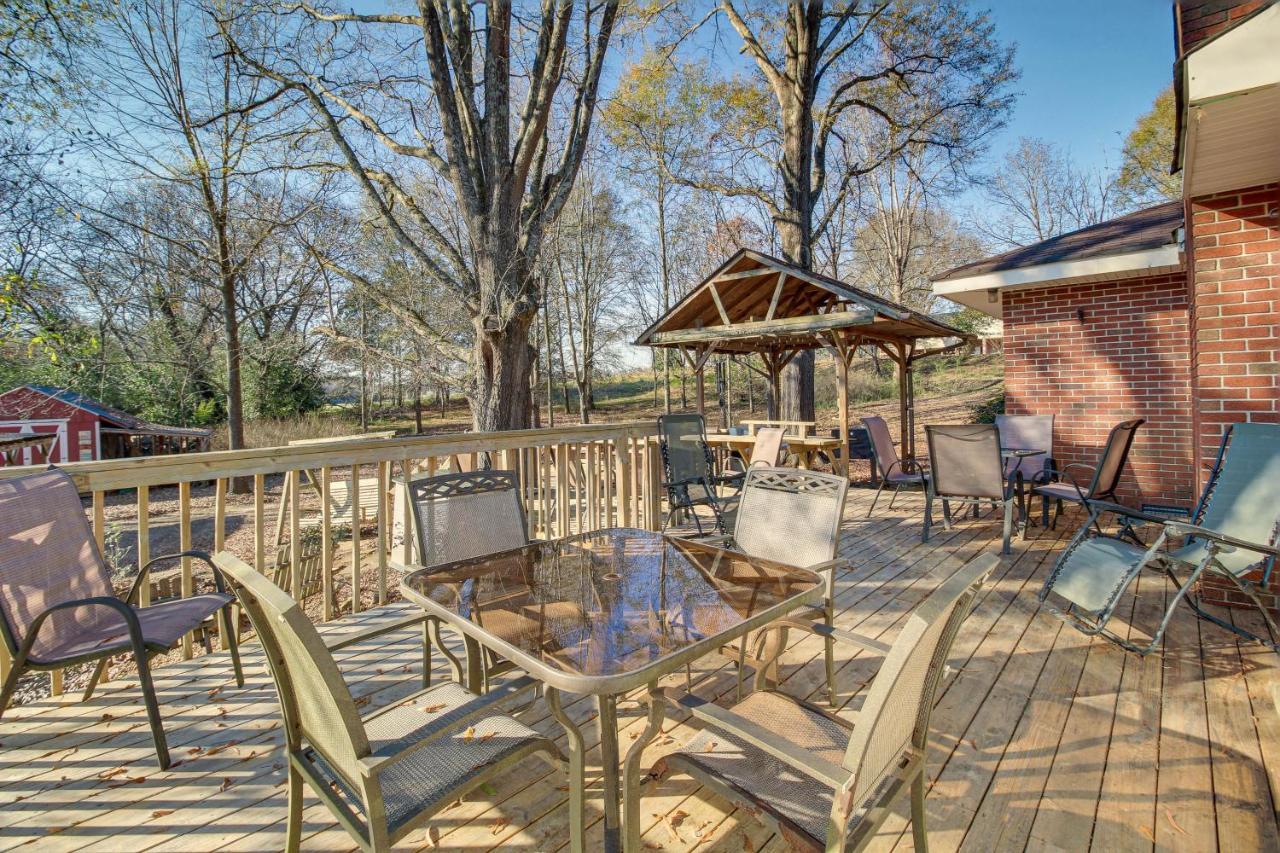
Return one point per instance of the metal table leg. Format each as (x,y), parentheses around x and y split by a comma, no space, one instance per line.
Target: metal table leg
(607,724)
(631,768)
(577,782)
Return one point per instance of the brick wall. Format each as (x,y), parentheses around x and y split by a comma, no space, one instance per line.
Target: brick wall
(1129,357)
(1202,19)
(1234,252)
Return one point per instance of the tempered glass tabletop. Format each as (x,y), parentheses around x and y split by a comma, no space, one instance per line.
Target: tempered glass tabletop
(610,603)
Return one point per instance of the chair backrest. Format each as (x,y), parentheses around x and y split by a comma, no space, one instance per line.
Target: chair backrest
(1242,497)
(895,715)
(1027,432)
(48,556)
(1106,477)
(684,448)
(316,703)
(768,446)
(882,441)
(467,514)
(790,515)
(965,461)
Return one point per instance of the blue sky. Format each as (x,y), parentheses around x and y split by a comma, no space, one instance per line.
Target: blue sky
(1089,69)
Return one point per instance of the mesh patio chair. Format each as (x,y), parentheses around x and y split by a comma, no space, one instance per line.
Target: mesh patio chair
(463,515)
(1232,535)
(894,471)
(766,451)
(1104,480)
(688,470)
(967,468)
(792,516)
(822,782)
(384,774)
(59,606)
(1027,432)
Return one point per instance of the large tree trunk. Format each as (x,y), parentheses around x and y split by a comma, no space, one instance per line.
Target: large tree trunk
(502,360)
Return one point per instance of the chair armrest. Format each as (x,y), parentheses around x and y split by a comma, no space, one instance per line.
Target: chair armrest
(1100,507)
(448,723)
(806,762)
(144,571)
(1187,529)
(822,629)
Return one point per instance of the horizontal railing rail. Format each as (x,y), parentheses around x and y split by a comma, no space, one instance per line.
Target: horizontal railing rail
(573,480)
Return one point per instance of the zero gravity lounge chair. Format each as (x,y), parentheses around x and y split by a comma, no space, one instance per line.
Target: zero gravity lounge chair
(1232,536)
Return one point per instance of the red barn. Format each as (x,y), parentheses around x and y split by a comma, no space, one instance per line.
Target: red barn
(85,430)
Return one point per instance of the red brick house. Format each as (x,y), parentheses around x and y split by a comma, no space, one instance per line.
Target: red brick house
(85,429)
(1171,313)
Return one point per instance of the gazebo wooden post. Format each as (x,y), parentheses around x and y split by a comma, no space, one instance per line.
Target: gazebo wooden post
(906,406)
(844,351)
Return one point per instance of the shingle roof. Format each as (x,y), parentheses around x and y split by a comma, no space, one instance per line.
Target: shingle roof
(119,419)
(1150,228)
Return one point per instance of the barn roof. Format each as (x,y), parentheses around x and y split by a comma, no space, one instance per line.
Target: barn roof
(115,419)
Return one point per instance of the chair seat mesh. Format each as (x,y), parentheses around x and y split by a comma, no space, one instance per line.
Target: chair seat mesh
(440,769)
(1093,573)
(1063,491)
(790,796)
(102,629)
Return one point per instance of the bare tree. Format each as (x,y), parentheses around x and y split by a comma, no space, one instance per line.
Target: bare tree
(1039,192)
(399,93)
(930,70)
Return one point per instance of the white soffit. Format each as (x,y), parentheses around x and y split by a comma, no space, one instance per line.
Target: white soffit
(983,291)
(1232,127)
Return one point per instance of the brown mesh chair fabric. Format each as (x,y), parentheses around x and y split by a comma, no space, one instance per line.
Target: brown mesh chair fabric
(767,447)
(373,773)
(894,471)
(59,606)
(1104,478)
(966,467)
(770,752)
(1027,432)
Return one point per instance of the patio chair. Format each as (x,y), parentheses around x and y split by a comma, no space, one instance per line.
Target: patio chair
(385,774)
(463,515)
(894,471)
(792,516)
(767,448)
(820,781)
(1232,535)
(59,606)
(967,468)
(1027,432)
(1103,483)
(688,470)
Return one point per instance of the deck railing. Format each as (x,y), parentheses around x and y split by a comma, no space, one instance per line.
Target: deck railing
(573,479)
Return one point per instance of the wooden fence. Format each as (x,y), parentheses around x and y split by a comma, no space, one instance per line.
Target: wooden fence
(573,480)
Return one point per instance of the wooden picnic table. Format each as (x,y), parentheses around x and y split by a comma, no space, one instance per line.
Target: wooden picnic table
(804,447)
(799,428)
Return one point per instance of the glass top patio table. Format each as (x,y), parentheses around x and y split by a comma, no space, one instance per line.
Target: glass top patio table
(606,611)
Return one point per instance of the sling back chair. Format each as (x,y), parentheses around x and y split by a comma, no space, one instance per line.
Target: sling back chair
(385,774)
(818,780)
(767,448)
(792,516)
(463,515)
(688,469)
(1232,535)
(1027,432)
(60,608)
(894,471)
(1104,479)
(967,468)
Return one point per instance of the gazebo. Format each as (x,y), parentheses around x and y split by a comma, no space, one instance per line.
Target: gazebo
(756,303)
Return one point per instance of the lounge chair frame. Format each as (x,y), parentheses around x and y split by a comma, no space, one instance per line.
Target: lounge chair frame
(677,483)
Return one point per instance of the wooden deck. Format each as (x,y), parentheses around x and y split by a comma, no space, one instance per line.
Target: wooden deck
(1041,738)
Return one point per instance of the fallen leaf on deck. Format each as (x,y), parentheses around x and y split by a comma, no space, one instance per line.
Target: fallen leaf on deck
(453,805)
(431,709)
(106,718)
(54,830)
(107,774)
(1169,816)
(498,825)
(710,747)
(469,733)
(226,783)
(1147,833)
(195,750)
(433,835)
(162,812)
(748,846)
(487,736)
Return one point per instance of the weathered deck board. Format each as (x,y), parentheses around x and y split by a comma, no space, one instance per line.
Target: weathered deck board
(1043,738)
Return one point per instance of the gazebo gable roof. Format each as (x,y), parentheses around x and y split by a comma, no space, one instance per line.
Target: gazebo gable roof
(766,292)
